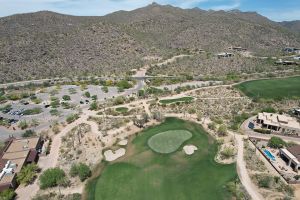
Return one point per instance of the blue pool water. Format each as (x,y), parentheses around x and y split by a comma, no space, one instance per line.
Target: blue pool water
(269,155)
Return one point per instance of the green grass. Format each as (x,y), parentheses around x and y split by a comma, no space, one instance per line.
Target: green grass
(182,99)
(272,89)
(122,109)
(145,174)
(168,141)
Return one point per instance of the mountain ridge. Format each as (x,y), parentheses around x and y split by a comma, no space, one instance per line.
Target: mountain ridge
(46,44)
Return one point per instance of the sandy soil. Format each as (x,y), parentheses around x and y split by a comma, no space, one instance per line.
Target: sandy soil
(189,149)
(111,156)
(123,142)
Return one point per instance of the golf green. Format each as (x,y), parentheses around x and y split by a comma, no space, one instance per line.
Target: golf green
(274,89)
(168,141)
(145,174)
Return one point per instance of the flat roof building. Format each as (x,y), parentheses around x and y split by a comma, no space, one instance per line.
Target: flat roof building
(225,55)
(291,156)
(16,154)
(279,123)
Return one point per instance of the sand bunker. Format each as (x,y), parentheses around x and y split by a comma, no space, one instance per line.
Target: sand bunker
(189,149)
(123,142)
(111,156)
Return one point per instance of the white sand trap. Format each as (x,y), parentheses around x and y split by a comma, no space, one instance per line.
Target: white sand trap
(111,156)
(123,142)
(189,149)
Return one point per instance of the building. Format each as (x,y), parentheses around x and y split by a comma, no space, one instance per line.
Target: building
(292,50)
(16,154)
(291,156)
(279,123)
(225,55)
(296,112)
(285,62)
(297,58)
(237,48)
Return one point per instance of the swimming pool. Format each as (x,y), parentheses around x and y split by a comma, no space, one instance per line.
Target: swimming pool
(269,154)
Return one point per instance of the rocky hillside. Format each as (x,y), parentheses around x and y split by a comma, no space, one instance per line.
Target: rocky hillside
(171,27)
(292,25)
(47,44)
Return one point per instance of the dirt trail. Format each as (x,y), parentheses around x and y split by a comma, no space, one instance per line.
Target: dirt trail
(242,171)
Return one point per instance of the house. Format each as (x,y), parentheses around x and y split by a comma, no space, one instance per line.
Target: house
(291,156)
(16,154)
(292,50)
(237,48)
(297,58)
(279,123)
(296,112)
(225,55)
(285,62)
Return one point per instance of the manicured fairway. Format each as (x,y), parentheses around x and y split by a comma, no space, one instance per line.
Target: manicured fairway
(276,89)
(168,141)
(182,99)
(146,175)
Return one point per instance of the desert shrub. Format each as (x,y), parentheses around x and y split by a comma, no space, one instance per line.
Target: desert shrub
(94,106)
(28,133)
(87,94)
(66,98)
(94,97)
(71,118)
(119,100)
(212,126)
(81,170)
(263,131)
(269,109)
(27,174)
(23,125)
(276,142)
(33,111)
(222,130)
(8,194)
(54,112)
(227,152)
(52,177)
(265,181)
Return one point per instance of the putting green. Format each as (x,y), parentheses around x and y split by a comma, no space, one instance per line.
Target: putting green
(168,141)
(145,174)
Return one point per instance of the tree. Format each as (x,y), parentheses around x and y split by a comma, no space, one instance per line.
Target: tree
(7,194)
(276,142)
(52,177)
(66,98)
(27,174)
(81,170)
(222,130)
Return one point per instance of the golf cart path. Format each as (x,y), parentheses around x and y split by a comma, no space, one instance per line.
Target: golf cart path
(242,170)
